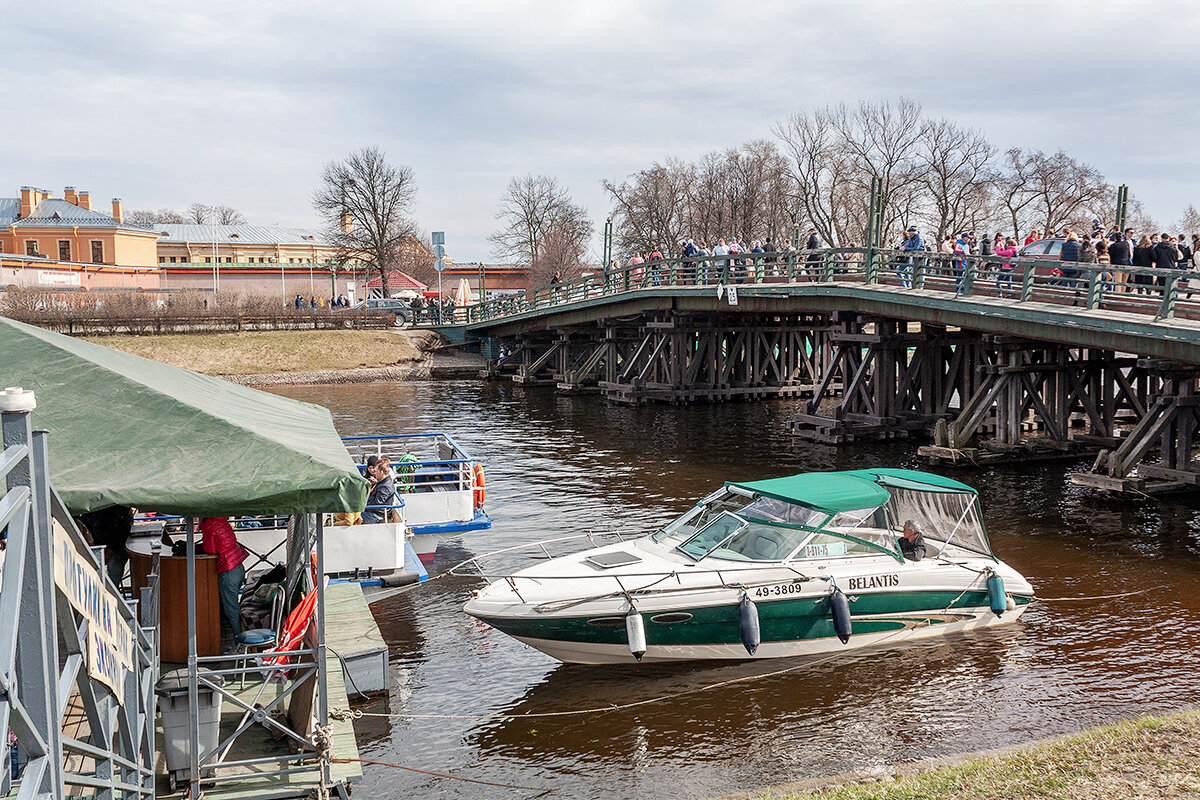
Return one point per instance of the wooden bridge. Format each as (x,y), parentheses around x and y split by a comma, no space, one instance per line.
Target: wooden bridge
(987,357)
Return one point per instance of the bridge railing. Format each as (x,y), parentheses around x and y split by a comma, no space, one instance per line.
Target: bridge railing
(1156,293)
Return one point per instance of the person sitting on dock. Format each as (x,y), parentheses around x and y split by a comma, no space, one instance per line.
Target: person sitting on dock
(383,490)
(912,543)
(220,540)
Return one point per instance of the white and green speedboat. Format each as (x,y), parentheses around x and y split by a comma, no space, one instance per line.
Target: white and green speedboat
(791,566)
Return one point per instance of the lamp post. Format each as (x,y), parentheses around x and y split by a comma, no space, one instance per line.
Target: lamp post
(212,224)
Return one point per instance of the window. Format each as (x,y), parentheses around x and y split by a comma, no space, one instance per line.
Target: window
(184,259)
(172,259)
(31,247)
(228,259)
(208,259)
(64,249)
(97,251)
(162,259)
(712,535)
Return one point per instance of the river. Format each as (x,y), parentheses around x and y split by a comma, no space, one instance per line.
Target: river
(561,465)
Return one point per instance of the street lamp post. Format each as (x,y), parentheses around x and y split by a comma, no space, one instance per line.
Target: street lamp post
(212,224)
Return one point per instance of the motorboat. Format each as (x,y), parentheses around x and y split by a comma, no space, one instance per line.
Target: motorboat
(790,566)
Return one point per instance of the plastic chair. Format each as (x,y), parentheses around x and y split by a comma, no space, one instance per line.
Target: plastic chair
(257,640)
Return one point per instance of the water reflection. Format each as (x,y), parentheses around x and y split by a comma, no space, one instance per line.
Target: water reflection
(559,465)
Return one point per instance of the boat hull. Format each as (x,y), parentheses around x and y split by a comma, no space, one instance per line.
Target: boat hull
(887,630)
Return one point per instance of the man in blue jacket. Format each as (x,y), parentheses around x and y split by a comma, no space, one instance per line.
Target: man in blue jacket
(911,244)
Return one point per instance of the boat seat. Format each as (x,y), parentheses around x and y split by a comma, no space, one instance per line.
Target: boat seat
(765,545)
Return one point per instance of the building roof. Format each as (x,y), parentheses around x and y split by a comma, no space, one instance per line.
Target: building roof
(396,280)
(238,234)
(55,213)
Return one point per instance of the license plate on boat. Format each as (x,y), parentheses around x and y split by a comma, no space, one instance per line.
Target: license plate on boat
(779,590)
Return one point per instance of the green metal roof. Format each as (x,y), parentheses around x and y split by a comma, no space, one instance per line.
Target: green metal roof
(830,492)
(912,479)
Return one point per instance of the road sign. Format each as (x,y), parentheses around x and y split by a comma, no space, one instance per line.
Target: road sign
(439,237)
(439,250)
(439,264)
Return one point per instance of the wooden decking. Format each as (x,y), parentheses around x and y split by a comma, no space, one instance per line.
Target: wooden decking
(350,630)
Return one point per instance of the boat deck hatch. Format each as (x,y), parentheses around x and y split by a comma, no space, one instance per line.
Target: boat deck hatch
(610,560)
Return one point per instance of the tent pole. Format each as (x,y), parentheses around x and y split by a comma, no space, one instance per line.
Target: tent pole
(193,670)
(322,667)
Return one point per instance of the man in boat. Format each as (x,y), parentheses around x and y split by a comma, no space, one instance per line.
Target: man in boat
(912,543)
(383,490)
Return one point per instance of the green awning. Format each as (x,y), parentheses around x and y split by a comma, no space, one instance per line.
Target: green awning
(830,492)
(912,479)
(125,430)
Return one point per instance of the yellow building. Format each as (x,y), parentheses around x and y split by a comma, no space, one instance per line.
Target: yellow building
(69,230)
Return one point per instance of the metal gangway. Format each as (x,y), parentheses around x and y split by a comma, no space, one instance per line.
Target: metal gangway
(78,662)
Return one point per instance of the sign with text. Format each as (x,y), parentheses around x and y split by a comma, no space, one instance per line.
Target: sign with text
(48,278)
(110,641)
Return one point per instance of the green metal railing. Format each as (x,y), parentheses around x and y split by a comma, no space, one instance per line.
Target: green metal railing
(1155,293)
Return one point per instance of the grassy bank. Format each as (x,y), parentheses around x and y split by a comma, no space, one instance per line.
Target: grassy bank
(1150,757)
(259,352)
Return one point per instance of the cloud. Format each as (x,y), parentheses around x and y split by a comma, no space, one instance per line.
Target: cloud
(241,103)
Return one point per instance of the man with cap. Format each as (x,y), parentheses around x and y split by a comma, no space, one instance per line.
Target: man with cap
(383,490)
(912,243)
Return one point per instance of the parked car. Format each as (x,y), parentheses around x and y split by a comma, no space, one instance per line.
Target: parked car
(389,305)
(1049,249)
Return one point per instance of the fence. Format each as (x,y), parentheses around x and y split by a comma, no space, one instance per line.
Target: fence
(100,684)
(1156,293)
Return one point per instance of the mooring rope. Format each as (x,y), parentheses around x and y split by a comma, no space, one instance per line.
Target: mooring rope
(1102,596)
(439,774)
(343,713)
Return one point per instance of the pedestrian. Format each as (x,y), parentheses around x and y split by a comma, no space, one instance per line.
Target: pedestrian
(218,538)
(812,244)
(1166,257)
(1004,276)
(1120,255)
(1143,258)
(912,244)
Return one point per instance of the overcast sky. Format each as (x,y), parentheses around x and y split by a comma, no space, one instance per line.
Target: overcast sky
(240,103)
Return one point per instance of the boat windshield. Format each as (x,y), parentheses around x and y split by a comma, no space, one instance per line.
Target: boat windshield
(695,518)
(740,537)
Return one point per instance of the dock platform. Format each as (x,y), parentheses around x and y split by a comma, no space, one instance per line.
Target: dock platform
(354,643)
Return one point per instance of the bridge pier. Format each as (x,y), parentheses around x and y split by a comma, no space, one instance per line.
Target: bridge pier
(684,359)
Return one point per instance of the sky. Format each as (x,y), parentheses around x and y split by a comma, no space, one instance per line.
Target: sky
(241,103)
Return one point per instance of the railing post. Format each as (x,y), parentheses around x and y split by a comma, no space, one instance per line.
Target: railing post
(1095,289)
(1027,275)
(1170,290)
(918,268)
(970,267)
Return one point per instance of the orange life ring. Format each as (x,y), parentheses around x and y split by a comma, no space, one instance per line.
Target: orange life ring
(480,483)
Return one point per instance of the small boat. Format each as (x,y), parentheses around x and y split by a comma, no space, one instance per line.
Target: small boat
(789,566)
(440,489)
(439,495)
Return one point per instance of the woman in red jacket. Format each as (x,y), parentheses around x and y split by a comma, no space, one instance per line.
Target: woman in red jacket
(220,540)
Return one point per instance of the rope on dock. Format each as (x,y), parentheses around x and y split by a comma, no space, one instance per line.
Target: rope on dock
(540,791)
(1102,596)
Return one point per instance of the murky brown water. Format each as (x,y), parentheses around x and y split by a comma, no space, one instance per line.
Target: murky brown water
(562,465)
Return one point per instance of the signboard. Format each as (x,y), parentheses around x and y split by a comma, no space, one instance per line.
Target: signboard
(439,238)
(57,278)
(110,644)
(731,293)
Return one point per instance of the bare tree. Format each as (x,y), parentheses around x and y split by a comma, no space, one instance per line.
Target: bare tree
(367,204)
(1064,189)
(955,173)
(1189,221)
(146,216)
(205,214)
(540,226)
(652,206)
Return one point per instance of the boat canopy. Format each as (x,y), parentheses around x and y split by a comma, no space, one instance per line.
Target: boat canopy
(830,492)
(912,479)
(130,431)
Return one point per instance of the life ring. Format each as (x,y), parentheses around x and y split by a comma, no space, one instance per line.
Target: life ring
(480,483)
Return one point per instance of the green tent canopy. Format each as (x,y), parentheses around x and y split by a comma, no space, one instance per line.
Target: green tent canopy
(126,430)
(830,492)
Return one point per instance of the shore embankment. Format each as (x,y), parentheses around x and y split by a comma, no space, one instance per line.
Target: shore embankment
(1148,757)
(274,358)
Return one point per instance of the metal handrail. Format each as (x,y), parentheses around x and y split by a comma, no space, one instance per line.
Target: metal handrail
(1021,279)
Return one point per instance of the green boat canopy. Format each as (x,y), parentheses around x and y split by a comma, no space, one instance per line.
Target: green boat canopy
(830,492)
(912,479)
(126,430)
